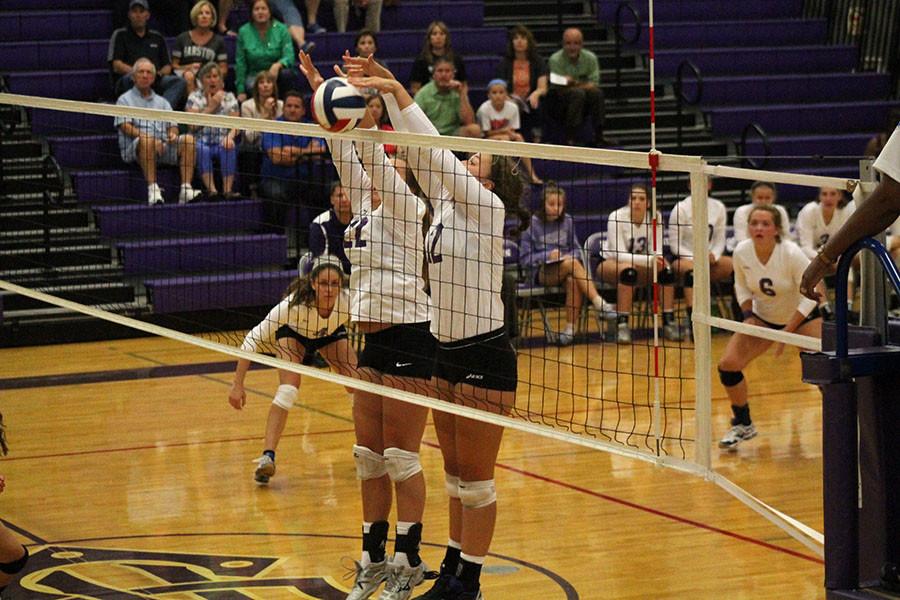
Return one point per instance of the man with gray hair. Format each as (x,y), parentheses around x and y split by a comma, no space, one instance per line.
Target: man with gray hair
(147,141)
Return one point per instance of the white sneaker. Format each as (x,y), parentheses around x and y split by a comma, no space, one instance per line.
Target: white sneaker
(565,339)
(605,307)
(401,580)
(187,194)
(154,195)
(265,468)
(367,580)
(673,333)
(623,333)
(736,435)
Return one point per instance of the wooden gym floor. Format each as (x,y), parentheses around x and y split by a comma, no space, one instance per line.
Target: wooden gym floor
(138,484)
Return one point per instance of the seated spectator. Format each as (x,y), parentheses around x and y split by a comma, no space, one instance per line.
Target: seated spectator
(136,41)
(286,11)
(372,9)
(553,255)
(761,193)
(215,142)
(436,45)
(264,44)
(498,117)
(263,104)
(445,100)
(284,171)
(199,45)
(326,232)
(173,12)
(149,141)
(580,96)
(681,245)
(379,113)
(627,261)
(366,45)
(526,73)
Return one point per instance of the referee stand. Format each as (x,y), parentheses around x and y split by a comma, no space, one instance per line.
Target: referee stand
(858,372)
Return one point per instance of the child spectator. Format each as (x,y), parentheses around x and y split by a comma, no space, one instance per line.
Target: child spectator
(379,113)
(499,119)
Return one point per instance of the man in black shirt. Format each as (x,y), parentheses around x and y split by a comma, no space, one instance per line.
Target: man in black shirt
(137,41)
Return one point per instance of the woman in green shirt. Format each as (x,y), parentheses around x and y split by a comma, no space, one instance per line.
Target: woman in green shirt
(264,44)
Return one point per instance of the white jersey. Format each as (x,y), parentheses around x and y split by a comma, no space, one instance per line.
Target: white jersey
(773,286)
(464,246)
(491,119)
(385,245)
(630,242)
(304,320)
(681,228)
(888,162)
(741,226)
(812,230)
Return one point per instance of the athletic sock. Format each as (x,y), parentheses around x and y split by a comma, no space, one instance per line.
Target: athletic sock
(451,558)
(270,454)
(598,303)
(570,329)
(406,546)
(469,572)
(622,318)
(374,542)
(741,415)
(668,317)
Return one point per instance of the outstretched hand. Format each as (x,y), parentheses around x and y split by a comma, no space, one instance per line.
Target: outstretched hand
(312,74)
(357,66)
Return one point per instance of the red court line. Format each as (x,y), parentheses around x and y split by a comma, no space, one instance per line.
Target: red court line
(653,511)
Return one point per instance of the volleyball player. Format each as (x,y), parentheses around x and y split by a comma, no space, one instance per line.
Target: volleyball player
(475,363)
(312,316)
(681,244)
(385,245)
(767,271)
(761,193)
(13,555)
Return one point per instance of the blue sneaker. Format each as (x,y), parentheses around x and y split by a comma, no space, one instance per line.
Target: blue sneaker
(315,29)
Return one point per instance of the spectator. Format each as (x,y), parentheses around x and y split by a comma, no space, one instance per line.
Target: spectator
(175,14)
(215,142)
(283,171)
(627,261)
(379,113)
(498,117)
(326,232)
(199,45)
(366,45)
(263,104)
(136,41)
(527,75)
(372,9)
(437,44)
(761,193)
(264,44)
(222,25)
(681,244)
(580,96)
(149,141)
(550,248)
(287,11)
(445,100)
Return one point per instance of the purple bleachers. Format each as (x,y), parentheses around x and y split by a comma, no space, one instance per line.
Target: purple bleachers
(716,34)
(819,87)
(209,292)
(479,69)
(219,253)
(121,186)
(762,60)
(86,151)
(56,25)
(36,56)
(585,225)
(707,10)
(802,118)
(416,15)
(48,122)
(82,84)
(178,219)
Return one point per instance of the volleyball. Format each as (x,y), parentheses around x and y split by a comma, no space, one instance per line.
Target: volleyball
(338,106)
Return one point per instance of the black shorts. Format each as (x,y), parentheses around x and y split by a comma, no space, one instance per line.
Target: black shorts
(812,316)
(310,345)
(405,350)
(484,361)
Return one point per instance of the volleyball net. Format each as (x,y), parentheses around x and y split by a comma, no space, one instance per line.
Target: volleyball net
(205,270)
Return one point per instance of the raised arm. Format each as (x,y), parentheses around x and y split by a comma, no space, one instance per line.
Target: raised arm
(391,187)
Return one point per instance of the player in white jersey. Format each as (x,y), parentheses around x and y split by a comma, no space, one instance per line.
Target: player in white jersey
(475,362)
(385,245)
(312,316)
(876,214)
(820,219)
(628,255)
(681,245)
(761,193)
(767,274)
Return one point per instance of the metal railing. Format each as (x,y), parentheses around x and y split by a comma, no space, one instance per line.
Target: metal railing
(680,98)
(748,161)
(621,39)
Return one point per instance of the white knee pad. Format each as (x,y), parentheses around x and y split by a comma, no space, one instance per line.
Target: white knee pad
(369,464)
(285,396)
(401,464)
(477,494)
(451,482)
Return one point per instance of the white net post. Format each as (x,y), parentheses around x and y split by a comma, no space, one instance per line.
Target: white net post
(702,341)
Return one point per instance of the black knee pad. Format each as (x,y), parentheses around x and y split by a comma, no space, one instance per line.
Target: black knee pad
(666,276)
(730,378)
(11,568)
(689,278)
(628,276)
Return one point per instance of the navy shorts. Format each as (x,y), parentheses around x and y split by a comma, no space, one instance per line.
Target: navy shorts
(484,361)
(404,350)
(310,345)
(812,316)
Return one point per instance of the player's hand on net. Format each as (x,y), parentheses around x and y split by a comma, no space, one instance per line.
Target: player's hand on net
(237,397)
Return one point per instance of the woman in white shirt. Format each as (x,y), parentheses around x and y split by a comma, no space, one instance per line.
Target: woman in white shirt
(767,272)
